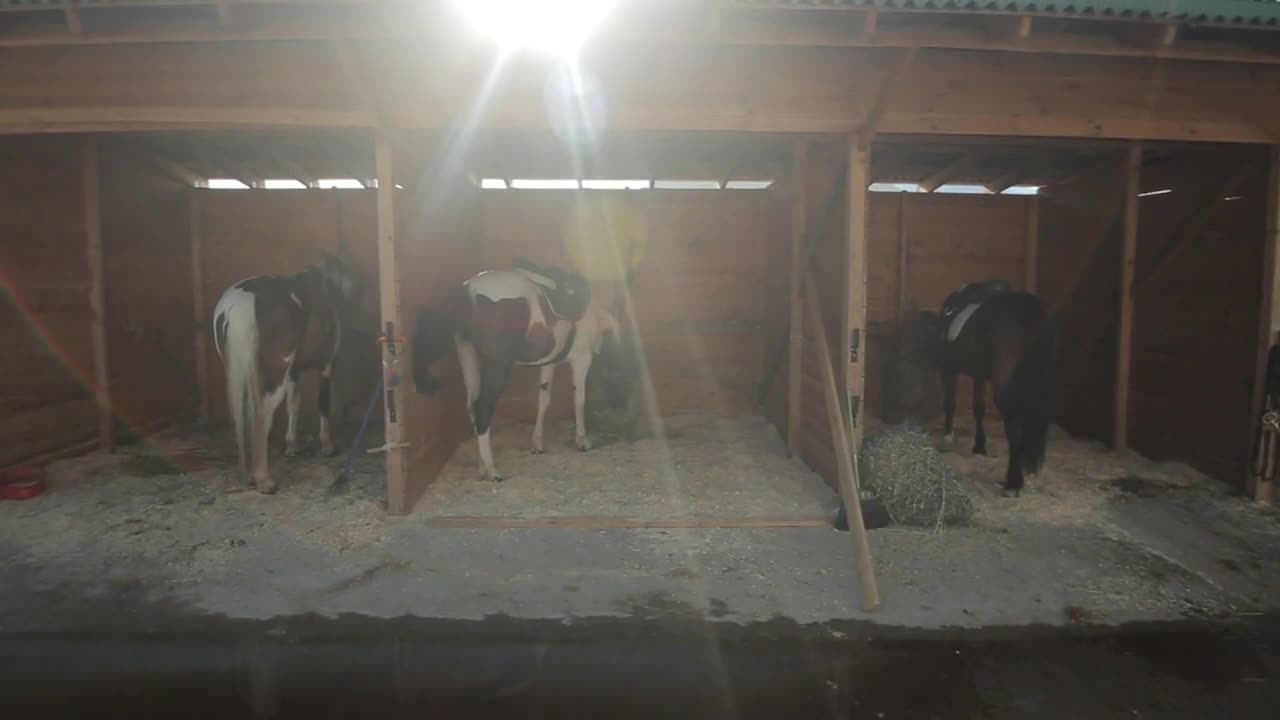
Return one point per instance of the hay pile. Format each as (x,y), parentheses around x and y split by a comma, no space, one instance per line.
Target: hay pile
(901,467)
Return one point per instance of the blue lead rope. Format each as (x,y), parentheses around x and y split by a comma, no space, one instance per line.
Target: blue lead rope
(339,483)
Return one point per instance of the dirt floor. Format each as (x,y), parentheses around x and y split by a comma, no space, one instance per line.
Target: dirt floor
(700,467)
(1097,538)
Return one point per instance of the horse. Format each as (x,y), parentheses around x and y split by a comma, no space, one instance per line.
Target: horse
(268,330)
(992,333)
(530,315)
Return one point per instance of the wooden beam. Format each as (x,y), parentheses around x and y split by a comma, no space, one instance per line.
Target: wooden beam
(1168,34)
(195,231)
(875,113)
(1194,225)
(603,522)
(1030,283)
(1006,181)
(1263,489)
(962,164)
(398,491)
(1124,335)
(223,11)
(293,169)
(870,25)
(175,170)
(131,119)
(855,315)
(846,467)
(92,199)
(1024,27)
(799,258)
(71,14)
(904,255)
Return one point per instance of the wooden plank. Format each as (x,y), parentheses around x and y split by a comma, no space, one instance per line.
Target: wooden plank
(1269,316)
(855,314)
(92,195)
(1033,243)
(129,119)
(398,500)
(1196,224)
(868,592)
(904,255)
(200,321)
(950,171)
(599,522)
(875,113)
(1124,333)
(799,257)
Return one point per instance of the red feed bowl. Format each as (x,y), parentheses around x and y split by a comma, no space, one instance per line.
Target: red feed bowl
(22,482)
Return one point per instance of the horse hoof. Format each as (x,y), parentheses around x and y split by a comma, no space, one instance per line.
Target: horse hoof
(537,451)
(267,488)
(584,444)
(328,451)
(981,451)
(1010,492)
(291,452)
(949,438)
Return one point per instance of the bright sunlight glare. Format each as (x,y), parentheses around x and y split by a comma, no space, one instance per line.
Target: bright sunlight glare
(553,26)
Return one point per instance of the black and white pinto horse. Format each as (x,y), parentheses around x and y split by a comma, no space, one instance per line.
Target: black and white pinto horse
(268,330)
(995,334)
(500,318)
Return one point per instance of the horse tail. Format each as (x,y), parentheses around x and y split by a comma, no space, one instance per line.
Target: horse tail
(244,385)
(432,337)
(1032,392)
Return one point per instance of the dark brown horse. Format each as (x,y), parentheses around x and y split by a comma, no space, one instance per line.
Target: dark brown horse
(1002,336)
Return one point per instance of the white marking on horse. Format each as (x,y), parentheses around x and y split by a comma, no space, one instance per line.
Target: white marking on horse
(958,322)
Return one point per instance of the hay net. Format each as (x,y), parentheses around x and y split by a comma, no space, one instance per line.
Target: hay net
(900,466)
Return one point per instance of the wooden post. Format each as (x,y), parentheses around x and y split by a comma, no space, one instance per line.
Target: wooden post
(91,180)
(389,293)
(1269,316)
(904,255)
(1124,335)
(1033,243)
(855,313)
(799,260)
(195,231)
(847,481)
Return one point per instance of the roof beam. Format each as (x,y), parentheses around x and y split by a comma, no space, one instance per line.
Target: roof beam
(950,171)
(875,113)
(172,169)
(293,169)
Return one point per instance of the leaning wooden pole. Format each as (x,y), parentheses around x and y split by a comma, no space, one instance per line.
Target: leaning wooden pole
(847,482)
(389,297)
(91,182)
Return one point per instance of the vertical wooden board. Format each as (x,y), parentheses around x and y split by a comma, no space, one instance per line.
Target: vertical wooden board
(795,298)
(1124,331)
(1269,321)
(1078,265)
(399,501)
(200,325)
(92,189)
(1196,325)
(46,370)
(1031,261)
(148,296)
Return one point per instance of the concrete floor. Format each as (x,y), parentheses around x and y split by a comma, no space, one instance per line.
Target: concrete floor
(109,547)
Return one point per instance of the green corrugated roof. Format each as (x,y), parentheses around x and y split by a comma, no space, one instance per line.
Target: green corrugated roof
(1264,13)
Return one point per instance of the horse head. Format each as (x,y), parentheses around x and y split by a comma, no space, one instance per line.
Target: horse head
(341,278)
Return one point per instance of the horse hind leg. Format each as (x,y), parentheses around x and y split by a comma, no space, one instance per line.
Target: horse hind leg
(493,378)
(545,375)
(979,417)
(293,402)
(1013,478)
(581,365)
(324,403)
(948,406)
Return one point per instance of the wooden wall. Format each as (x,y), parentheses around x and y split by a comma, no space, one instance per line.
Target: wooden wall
(923,247)
(149,320)
(1081,236)
(46,368)
(438,233)
(1196,318)
(697,293)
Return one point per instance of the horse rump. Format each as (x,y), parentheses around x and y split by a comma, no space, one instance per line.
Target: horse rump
(432,337)
(1032,391)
